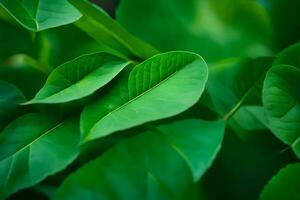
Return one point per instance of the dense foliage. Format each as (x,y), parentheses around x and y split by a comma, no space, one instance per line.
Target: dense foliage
(169,99)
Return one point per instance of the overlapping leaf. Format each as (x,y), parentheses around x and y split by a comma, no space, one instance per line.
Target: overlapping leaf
(109,33)
(154,165)
(282,103)
(37,15)
(79,78)
(281,97)
(160,87)
(33,147)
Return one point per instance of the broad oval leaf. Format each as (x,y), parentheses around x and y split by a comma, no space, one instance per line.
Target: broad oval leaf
(109,34)
(10,97)
(235,82)
(215,29)
(160,87)
(79,78)
(33,147)
(281,97)
(37,15)
(284,185)
(154,165)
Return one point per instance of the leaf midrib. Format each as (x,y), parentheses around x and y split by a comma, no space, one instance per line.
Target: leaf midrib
(37,14)
(34,19)
(176,149)
(124,64)
(133,99)
(35,140)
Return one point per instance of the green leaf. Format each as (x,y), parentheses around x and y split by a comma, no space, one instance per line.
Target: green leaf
(37,15)
(243,167)
(284,185)
(234,82)
(215,29)
(109,33)
(10,97)
(249,121)
(33,147)
(28,79)
(154,165)
(79,78)
(160,87)
(289,56)
(250,118)
(281,97)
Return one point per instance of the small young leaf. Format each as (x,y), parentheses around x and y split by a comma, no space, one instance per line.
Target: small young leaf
(109,33)
(79,78)
(33,147)
(154,165)
(160,87)
(281,97)
(37,15)
(284,185)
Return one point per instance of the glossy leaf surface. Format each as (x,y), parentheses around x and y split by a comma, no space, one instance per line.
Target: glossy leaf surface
(33,147)
(37,15)
(79,78)
(160,87)
(281,98)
